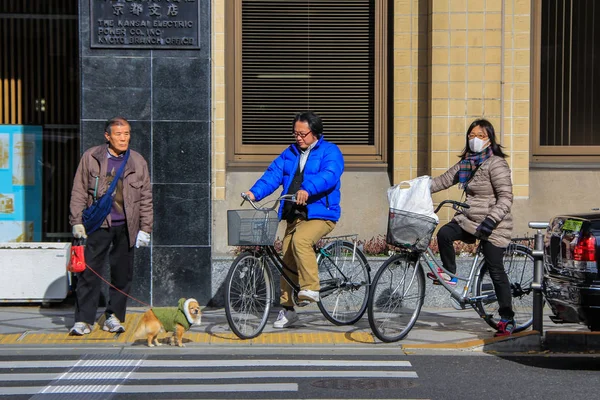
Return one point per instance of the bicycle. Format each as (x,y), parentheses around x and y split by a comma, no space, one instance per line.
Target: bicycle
(398,289)
(344,273)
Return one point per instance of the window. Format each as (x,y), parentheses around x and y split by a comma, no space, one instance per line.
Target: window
(566,84)
(285,56)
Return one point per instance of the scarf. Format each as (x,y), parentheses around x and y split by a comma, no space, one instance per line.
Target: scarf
(470,163)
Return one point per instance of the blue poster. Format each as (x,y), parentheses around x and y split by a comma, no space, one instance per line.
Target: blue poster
(20,183)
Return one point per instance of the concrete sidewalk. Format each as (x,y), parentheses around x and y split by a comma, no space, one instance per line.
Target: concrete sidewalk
(436,329)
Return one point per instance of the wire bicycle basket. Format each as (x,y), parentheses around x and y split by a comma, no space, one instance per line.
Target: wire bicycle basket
(251,227)
(409,230)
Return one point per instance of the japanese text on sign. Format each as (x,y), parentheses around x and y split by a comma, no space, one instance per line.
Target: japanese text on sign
(144,23)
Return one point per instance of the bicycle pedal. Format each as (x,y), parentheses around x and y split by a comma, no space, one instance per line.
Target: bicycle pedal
(303,303)
(438,283)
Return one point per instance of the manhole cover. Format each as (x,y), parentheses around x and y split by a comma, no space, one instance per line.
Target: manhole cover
(364,384)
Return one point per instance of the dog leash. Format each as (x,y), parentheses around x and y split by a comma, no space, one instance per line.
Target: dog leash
(117,289)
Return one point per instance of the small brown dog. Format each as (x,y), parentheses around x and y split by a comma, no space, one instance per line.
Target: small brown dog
(169,319)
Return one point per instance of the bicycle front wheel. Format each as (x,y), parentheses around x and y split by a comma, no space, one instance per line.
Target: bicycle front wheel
(396,298)
(345,278)
(518,264)
(248,295)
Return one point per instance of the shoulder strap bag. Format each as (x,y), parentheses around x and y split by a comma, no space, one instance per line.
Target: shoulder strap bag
(95,214)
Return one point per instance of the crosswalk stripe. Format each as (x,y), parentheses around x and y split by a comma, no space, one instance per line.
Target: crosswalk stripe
(103,376)
(205,375)
(250,387)
(201,363)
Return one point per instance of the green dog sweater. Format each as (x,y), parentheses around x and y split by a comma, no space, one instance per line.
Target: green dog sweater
(169,317)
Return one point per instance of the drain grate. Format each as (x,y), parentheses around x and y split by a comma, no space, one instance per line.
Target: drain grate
(364,384)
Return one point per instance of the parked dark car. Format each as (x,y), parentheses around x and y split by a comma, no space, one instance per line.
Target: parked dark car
(571,279)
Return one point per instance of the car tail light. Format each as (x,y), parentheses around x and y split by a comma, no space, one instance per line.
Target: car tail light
(585,250)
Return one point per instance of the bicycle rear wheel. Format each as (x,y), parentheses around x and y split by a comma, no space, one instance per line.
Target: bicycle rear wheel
(396,298)
(345,279)
(518,264)
(248,295)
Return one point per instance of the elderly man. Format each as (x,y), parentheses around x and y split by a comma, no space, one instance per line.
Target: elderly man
(128,224)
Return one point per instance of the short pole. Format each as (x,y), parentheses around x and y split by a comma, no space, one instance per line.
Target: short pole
(538,276)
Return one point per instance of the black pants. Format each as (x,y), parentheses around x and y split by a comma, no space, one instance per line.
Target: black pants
(493,255)
(121,274)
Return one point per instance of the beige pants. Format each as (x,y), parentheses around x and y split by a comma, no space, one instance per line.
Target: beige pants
(299,255)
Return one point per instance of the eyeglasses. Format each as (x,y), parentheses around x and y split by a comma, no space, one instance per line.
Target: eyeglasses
(301,134)
(478,135)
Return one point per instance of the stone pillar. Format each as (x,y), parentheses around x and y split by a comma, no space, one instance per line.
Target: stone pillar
(411,89)
(466,77)
(517,85)
(479,69)
(166,95)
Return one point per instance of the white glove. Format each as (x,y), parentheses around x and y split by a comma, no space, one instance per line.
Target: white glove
(79,231)
(143,239)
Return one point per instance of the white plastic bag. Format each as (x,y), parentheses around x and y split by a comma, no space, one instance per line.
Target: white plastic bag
(413,196)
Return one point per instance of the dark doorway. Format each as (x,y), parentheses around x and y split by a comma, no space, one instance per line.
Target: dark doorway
(39,85)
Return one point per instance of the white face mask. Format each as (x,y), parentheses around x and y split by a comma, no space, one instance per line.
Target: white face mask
(476,144)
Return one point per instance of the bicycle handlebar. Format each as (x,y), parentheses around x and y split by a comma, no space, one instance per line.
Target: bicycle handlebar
(256,206)
(457,205)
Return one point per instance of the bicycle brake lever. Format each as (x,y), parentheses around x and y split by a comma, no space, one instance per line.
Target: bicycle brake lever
(244,197)
(461,207)
(288,197)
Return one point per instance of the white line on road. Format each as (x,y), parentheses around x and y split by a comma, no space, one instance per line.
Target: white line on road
(258,387)
(205,375)
(201,363)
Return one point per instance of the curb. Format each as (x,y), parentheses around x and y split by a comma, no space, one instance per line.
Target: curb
(443,331)
(524,341)
(519,342)
(568,341)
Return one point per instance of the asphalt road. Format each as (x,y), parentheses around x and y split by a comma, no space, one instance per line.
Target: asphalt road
(295,373)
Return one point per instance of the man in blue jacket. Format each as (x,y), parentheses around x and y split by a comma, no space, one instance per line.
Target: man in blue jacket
(311,169)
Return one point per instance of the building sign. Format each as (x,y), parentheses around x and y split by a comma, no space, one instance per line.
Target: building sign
(153,24)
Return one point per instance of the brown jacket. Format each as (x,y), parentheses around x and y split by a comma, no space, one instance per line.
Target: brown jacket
(137,191)
(489,193)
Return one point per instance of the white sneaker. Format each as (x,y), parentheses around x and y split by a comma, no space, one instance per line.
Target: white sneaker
(309,295)
(112,324)
(285,318)
(80,329)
